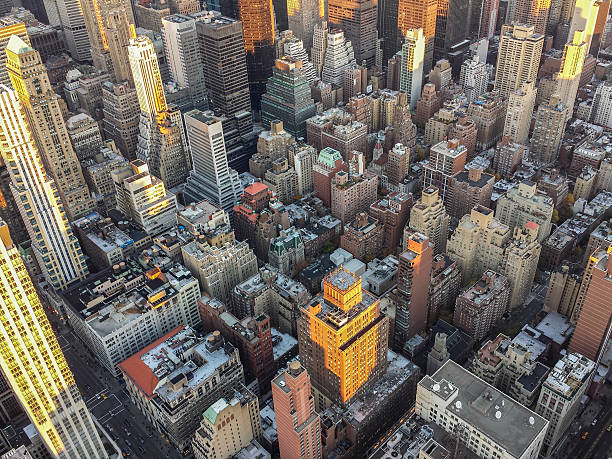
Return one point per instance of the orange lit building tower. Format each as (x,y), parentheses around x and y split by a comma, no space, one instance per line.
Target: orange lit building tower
(257,18)
(419,14)
(412,294)
(343,339)
(595,320)
(297,423)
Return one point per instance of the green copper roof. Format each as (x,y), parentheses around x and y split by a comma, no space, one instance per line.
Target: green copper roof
(328,157)
(213,410)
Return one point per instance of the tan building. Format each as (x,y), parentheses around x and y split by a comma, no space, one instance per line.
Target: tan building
(525,204)
(228,425)
(44,116)
(488,113)
(519,112)
(121,116)
(97,172)
(271,145)
(518,58)
(439,125)
(585,183)
(521,261)
(9,26)
(532,13)
(562,290)
(548,131)
(282,180)
(478,243)
(84,133)
(428,216)
(468,189)
(302,158)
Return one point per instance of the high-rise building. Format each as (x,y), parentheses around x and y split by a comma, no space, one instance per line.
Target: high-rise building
(419,14)
(84,134)
(70,19)
(524,204)
(291,46)
(518,58)
(211,177)
(484,18)
(567,80)
(258,28)
(9,26)
(452,26)
(481,306)
(357,18)
(143,198)
(319,46)
(303,16)
(428,217)
(338,57)
(508,156)
(57,250)
(351,194)
(297,422)
(411,72)
(561,394)
(548,131)
(601,111)
(109,27)
(593,327)
(519,112)
(183,54)
(221,41)
(343,325)
(531,13)
(488,113)
(446,158)
(46,124)
(468,189)
(474,78)
(121,116)
(412,295)
(32,361)
(584,17)
(288,97)
(520,262)
(228,425)
(161,140)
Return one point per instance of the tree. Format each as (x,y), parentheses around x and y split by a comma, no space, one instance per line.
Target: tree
(328,247)
(555,216)
(570,199)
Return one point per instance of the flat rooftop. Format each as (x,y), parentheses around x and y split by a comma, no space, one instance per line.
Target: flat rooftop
(477,403)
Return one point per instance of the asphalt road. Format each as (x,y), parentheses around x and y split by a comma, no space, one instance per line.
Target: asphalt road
(108,401)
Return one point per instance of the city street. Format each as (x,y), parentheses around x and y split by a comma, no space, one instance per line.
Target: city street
(110,404)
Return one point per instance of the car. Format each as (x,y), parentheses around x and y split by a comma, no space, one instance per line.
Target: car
(594,422)
(609,428)
(585,435)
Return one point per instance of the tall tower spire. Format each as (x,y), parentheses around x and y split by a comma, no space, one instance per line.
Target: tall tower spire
(46,126)
(33,363)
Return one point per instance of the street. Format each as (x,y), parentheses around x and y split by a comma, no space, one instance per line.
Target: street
(108,401)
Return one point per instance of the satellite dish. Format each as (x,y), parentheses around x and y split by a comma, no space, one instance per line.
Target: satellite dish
(458,404)
(498,415)
(436,387)
(531,420)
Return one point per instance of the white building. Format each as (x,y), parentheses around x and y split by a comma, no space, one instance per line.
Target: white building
(143,198)
(211,177)
(601,111)
(411,72)
(561,394)
(474,78)
(488,422)
(339,56)
(127,307)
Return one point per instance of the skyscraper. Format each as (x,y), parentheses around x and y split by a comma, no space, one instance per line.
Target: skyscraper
(594,327)
(294,408)
(428,217)
(518,58)
(227,84)
(9,26)
(108,24)
(303,15)
(73,25)
(46,123)
(419,14)
(474,78)
(288,97)
(584,16)
(531,13)
(338,57)
(211,178)
(121,116)
(519,112)
(258,27)
(412,294)
(357,18)
(183,54)
(31,358)
(411,72)
(319,46)
(567,80)
(160,140)
(344,328)
(452,25)
(548,131)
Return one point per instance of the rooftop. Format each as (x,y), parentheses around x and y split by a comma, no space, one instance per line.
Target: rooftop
(480,405)
(556,327)
(569,374)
